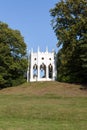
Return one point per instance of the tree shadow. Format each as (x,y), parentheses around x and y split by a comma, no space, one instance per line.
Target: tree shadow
(83,87)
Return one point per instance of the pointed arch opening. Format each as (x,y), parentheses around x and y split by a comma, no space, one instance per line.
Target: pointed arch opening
(42,70)
(35,71)
(50,69)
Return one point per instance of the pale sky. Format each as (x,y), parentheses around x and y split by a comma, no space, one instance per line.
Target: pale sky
(32,19)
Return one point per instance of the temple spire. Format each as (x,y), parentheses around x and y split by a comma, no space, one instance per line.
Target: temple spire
(46,49)
(31,50)
(38,49)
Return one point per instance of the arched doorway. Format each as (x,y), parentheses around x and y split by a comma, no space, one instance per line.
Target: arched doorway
(50,70)
(42,70)
(35,71)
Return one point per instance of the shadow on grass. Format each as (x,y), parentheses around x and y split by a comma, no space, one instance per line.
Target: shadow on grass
(83,87)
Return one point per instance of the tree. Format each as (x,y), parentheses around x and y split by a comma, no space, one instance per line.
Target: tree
(70,26)
(12,56)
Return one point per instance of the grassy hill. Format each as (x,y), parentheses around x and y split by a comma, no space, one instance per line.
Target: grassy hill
(42,88)
(43,106)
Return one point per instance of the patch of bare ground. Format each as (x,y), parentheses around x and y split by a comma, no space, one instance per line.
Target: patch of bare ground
(43,88)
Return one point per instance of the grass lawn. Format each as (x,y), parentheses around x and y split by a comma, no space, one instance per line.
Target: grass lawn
(43,106)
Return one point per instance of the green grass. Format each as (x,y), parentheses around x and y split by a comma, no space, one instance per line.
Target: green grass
(43,106)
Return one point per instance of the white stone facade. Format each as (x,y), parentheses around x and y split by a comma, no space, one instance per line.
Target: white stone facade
(42,66)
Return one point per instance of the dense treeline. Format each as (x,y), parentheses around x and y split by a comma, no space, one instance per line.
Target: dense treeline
(70,26)
(12,56)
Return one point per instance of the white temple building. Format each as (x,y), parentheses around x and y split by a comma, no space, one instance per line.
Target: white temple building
(41,66)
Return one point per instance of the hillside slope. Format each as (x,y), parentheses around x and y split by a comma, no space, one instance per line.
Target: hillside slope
(45,88)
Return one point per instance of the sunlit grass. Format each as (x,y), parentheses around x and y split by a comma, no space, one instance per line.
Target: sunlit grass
(39,108)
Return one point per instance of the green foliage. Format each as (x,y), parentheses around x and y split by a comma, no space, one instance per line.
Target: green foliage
(70,26)
(12,56)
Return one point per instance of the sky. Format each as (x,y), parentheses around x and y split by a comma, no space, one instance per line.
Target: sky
(32,18)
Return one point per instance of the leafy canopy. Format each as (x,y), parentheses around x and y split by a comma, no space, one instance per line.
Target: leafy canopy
(12,56)
(70,26)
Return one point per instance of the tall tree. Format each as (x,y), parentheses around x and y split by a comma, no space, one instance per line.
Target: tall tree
(70,26)
(12,56)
